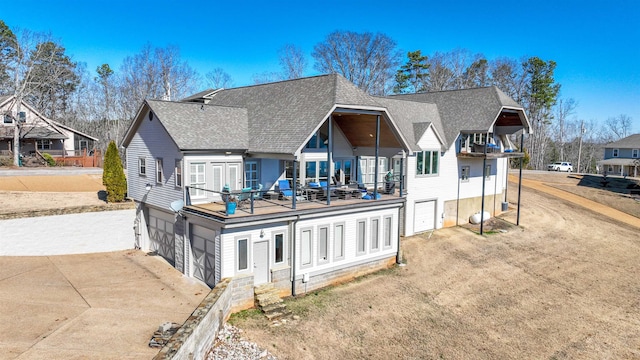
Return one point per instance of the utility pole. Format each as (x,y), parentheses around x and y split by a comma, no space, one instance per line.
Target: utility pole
(582,131)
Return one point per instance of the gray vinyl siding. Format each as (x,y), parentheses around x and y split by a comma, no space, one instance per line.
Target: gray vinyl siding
(151,141)
(623,153)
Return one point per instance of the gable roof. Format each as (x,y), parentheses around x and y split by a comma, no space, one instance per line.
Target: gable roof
(195,126)
(414,118)
(630,142)
(282,115)
(467,109)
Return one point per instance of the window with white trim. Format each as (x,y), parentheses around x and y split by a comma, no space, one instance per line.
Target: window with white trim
(197,179)
(178,173)
(142,166)
(306,240)
(635,153)
(44,144)
(361,233)
(8,119)
(251,177)
(338,241)
(323,244)
(464,173)
(159,171)
(386,231)
(243,254)
(278,243)
(616,152)
(375,234)
(427,162)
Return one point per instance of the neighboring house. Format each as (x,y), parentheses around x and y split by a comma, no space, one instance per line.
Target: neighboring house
(622,157)
(425,160)
(38,133)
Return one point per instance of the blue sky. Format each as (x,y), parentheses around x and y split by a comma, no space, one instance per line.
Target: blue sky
(596,44)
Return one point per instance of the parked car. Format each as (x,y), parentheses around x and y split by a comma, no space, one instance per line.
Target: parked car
(560,166)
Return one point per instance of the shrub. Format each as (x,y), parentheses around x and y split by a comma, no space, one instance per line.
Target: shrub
(49,159)
(113,175)
(6,161)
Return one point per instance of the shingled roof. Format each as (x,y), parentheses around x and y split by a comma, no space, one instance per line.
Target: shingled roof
(282,115)
(630,142)
(467,109)
(414,118)
(196,126)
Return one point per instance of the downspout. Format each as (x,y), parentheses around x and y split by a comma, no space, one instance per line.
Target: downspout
(375,179)
(293,255)
(295,184)
(484,184)
(399,253)
(329,160)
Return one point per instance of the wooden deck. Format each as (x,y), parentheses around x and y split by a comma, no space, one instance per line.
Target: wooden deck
(266,207)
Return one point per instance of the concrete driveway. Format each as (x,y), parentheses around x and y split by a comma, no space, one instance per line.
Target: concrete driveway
(93,306)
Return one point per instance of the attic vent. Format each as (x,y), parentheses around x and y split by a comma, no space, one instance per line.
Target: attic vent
(150,115)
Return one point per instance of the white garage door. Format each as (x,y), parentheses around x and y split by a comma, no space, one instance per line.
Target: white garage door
(161,234)
(424,216)
(203,249)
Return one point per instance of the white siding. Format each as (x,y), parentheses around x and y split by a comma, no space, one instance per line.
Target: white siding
(447,185)
(151,141)
(209,161)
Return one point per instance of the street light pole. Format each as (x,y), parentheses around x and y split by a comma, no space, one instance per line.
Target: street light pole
(582,130)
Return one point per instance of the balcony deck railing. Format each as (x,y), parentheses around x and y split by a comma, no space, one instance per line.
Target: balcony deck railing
(262,202)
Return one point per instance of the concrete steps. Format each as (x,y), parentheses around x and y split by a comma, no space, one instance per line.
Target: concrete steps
(269,302)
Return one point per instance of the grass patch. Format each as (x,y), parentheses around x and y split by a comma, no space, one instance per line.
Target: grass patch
(317,300)
(246,315)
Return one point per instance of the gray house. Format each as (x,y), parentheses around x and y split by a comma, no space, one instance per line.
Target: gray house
(622,157)
(308,182)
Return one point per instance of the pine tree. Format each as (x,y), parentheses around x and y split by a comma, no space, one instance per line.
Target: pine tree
(113,175)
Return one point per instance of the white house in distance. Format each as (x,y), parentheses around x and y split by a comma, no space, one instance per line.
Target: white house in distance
(39,134)
(327,178)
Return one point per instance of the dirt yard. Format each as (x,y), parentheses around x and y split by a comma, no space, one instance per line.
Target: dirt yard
(564,285)
(25,196)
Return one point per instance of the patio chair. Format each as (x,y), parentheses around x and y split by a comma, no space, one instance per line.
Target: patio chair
(285,189)
(244,197)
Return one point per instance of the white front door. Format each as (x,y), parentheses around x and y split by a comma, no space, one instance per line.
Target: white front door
(260,262)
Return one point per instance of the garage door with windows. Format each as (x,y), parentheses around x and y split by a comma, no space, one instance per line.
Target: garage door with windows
(424,216)
(203,254)
(161,234)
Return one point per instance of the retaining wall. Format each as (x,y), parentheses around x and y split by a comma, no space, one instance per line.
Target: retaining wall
(196,336)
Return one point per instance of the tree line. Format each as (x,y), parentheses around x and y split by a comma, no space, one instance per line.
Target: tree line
(103,101)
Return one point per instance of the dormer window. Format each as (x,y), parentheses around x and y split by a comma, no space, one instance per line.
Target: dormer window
(616,152)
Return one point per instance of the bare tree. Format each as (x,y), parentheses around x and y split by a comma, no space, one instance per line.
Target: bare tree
(292,61)
(22,53)
(218,79)
(507,75)
(441,77)
(367,60)
(153,74)
(618,126)
(564,109)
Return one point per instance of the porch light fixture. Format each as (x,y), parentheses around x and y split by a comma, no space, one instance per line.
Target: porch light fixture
(148,187)
(261,233)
